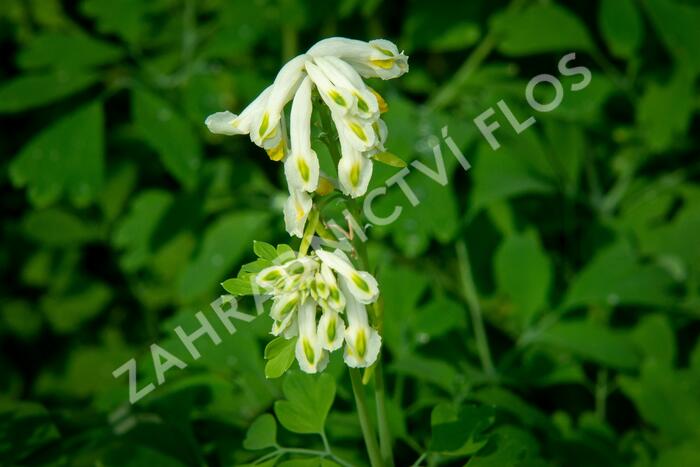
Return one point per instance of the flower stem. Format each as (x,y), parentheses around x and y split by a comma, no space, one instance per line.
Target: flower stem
(469,290)
(375,457)
(385,444)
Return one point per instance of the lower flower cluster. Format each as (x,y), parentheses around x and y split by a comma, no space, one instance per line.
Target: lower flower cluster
(321,299)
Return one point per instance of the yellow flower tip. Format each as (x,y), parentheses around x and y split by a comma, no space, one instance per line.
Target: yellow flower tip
(304,171)
(355,174)
(324,186)
(385,64)
(300,211)
(383,106)
(361,343)
(276,153)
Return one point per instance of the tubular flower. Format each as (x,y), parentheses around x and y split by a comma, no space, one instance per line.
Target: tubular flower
(326,282)
(296,211)
(362,342)
(311,357)
(301,167)
(374,59)
(335,68)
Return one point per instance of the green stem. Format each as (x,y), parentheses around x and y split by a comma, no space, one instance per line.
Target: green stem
(375,457)
(469,290)
(420,459)
(327,136)
(280,451)
(385,442)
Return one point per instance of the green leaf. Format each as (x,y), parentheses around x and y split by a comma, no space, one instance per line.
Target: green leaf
(56,227)
(76,51)
(125,18)
(616,276)
(117,190)
(309,398)
(66,313)
(675,240)
(264,250)
(541,28)
(667,399)
(254,267)
(65,158)
(440,25)
(262,433)
(685,454)
(238,286)
(677,25)
(511,446)
(279,354)
(461,433)
(389,159)
(509,402)
(30,91)
(135,230)
(400,304)
(224,244)
(592,341)
(25,427)
(655,338)
(664,111)
(437,318)
(284,250)
(169,134)
(524,274)
(438,372)
(517,168)
(621,26)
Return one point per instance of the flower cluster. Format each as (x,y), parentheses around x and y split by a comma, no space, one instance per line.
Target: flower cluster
(335,67)
(327,281)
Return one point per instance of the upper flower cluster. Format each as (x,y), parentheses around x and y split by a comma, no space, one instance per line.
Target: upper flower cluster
(335,67)
(329,281)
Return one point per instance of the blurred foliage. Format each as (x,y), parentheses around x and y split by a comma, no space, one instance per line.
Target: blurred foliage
(122,215)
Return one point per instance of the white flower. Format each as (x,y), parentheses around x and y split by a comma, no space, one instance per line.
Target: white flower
(335,67)
(331,330)
(338,100)
(374,59)
(296,211)
(301,167)
(327,291)
(361,284)
(362,341)
(227,123)
(311,356)
(301,286)
(354,170)
(266,125)
(344,76)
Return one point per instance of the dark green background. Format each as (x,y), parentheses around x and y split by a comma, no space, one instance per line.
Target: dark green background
(121,215)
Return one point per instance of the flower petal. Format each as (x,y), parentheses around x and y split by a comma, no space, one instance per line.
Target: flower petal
(296,211)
